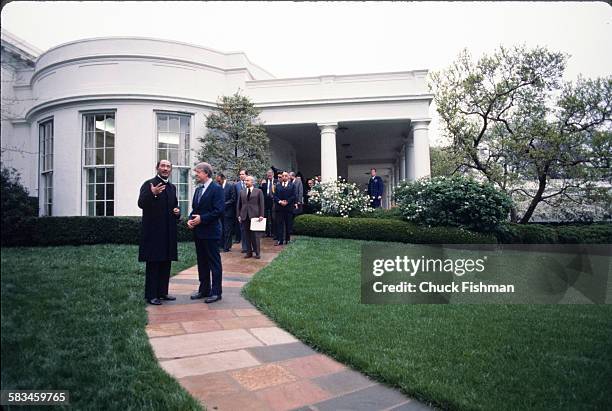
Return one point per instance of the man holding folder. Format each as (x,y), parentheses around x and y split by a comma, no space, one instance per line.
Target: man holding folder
(251,205)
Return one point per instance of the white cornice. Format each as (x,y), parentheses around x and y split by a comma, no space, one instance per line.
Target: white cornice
(344,100)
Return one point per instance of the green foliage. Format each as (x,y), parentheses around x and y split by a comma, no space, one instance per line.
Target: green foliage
(17,205)
(384,213)
(454,202)
(445,161)
(510,233)
(235,138)
(380,229)
(47,231)
(514,121)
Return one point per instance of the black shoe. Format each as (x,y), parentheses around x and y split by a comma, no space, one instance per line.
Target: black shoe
(167,297)
(236,242)
(154,301)
(249,255)
(243,251)
(197,296)
(212,299)
(257,257)
(277,243)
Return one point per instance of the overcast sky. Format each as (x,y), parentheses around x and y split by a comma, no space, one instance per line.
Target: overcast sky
(314,38)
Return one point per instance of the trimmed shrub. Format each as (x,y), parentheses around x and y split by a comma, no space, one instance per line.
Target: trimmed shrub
(384,213)
(49,231)
(453,202)
(509,233)
(380,229)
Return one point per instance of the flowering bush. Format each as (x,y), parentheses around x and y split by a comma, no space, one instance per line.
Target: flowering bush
(338,198)
(453,201)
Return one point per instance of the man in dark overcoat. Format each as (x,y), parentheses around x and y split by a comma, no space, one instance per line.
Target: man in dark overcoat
(376,188)
(158,248)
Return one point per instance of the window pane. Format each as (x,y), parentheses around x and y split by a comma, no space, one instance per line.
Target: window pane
(91,176)
(169,138)
(184,206)
(100,175)
(184,175)
(110,123)
(110,209)
(99,122)
(110,191)
(162,122)
(89,140)
(91,192)
(99,139)
(184,124)
(99,207)
(173,156)
(110,139)
(110,175)
(184,160)
(89,123)
(99,156)
(99,191)
(174,124)
(89,157)
(185,141)
(184,188)
(161,155)
(110,156)
(91,211)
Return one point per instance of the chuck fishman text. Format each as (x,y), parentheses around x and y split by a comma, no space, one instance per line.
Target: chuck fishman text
(429,287)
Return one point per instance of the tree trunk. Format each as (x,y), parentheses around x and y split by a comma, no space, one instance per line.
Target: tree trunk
(513,214)
(535,201)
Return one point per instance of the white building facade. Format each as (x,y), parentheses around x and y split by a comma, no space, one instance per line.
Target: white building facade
(85,122)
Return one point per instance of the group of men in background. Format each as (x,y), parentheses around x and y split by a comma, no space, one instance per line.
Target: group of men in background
(282,193)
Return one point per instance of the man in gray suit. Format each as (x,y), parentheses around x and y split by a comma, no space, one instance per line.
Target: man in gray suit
(250,205)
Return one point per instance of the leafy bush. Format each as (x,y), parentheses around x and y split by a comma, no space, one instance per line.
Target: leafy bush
(338,198)
(509,233)
(453,201)
(17,205)
(48,231)
(384,213)
(379,229)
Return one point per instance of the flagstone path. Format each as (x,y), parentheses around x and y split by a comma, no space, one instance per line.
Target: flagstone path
(232,357)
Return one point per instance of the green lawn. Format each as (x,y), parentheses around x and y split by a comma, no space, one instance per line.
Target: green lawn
(74,318)
(467,357)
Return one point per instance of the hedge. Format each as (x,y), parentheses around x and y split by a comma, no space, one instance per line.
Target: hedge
(48,231)
(382,229)
(387,229)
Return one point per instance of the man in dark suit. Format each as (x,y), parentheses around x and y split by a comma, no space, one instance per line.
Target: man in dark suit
(267,187)
(284,199)
(229,215)
(251,205)
(375,189)
(240,185)
(160,214)
(207,207)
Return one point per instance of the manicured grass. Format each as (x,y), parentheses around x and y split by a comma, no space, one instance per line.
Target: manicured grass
(74,318)
(467,357)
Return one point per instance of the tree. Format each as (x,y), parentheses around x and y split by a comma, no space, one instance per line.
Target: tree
(514,121)
(445,161)
(235,139)
(17,205)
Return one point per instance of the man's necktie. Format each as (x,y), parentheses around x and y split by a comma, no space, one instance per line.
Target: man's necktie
(249,195)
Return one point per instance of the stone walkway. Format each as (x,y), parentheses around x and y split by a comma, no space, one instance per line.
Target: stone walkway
(231,357)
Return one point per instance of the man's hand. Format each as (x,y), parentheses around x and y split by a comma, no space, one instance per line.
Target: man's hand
(260,218)
(176,211)
(195,220)
(158,189)
(239,219)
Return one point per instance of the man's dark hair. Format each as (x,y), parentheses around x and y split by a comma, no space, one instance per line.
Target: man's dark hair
(246,172)
(163,159)
(221,175)
(372,169)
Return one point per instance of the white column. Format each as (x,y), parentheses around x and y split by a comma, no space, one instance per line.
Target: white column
(403,164)
(410,161)
(421,148)
(329,165)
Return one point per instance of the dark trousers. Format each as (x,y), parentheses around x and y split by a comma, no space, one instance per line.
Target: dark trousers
(283,226)
(157,277)
(209,262)
(376,203)
(228,232)
(270,227)
(237,230)
(252,237)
